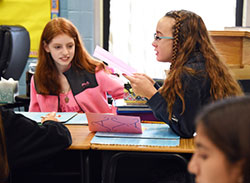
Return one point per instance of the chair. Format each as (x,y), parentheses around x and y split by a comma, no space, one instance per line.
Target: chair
(146,167)
(245,85)
(14,53)
(64,167)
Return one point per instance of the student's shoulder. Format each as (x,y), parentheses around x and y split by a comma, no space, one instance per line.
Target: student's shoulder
(102,71)
(6,113)
(196,62)
(10,119)
(199,73)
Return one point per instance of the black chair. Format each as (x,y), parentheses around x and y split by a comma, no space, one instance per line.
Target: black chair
(14,53)
(245,85)
(144,167)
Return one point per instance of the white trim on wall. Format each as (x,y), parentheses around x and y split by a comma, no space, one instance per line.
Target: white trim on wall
(246,14)
(98,22)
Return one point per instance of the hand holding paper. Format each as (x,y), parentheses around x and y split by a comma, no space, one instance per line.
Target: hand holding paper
(114,62)
(142,85)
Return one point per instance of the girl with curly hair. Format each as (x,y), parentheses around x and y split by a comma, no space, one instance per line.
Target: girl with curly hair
(197,75)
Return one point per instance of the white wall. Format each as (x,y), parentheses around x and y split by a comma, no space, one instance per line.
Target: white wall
(98,22)
(246,13)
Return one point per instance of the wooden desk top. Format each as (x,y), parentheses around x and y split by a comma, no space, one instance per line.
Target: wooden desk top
(81,137)
(230,33)
(186,146)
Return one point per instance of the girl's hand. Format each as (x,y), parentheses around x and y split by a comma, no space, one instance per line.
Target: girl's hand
(50,116)
(146,76)
(142,85)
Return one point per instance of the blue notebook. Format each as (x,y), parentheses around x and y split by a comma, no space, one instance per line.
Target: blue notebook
(149,131)
(79,119)
(153,135)
(135,141)
(37,116)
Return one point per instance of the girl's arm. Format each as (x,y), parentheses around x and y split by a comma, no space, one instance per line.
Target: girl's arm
(34,105)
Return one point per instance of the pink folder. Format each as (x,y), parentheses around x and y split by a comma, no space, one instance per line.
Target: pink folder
(104,122)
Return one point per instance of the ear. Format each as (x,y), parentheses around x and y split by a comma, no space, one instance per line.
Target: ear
(46,47)
(238,168)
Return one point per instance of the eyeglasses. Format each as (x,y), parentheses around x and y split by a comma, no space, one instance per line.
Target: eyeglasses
(161,37)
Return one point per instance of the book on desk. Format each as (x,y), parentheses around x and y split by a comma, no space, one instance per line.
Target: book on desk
(152,135)
(141,110)
(63,117)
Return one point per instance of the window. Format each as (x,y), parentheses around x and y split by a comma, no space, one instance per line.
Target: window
(133,23)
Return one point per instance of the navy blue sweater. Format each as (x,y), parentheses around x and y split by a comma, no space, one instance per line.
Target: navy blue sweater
(196,94)
(28,143)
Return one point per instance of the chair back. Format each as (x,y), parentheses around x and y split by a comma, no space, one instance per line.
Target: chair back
(245,85)
(147,168)
(14,51)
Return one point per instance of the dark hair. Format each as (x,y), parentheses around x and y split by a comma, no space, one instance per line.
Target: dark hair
(4,167)
(190,36)
(227,124)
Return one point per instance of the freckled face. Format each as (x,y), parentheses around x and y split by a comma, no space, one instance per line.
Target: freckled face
(164,47)
(209,164)
(62,50)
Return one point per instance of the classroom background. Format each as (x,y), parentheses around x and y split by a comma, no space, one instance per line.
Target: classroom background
(102,22)
(125,28)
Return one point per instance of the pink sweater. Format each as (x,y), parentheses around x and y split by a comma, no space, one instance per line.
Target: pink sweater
(89,91)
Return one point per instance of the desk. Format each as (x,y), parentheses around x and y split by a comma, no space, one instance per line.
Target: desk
(94,161)
(81,162)
(234,46)
(186,146)
(81,137)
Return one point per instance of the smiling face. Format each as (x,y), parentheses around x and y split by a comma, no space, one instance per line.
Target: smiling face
(209,164)
(164,47)
(62,50)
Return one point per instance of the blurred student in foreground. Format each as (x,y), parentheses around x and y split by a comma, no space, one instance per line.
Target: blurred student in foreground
(197,75)
(24,142)
(222,152)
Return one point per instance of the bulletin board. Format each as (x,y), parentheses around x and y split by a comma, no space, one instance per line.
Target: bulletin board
(32,14)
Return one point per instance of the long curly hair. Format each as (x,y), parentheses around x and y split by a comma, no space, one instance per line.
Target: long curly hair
(46,75)
(4,166)
(191,35)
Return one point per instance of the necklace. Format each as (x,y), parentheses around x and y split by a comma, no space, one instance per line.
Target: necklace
(65,87)
(66,99)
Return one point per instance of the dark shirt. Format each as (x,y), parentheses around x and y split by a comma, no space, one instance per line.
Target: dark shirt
(196,94)
(27,142)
